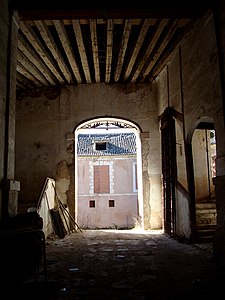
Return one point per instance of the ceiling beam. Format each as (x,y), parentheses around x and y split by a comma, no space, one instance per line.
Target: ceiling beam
(23,81)
(24,61)
(94,42)
(34,40)
(166,57)
(109,48)
(123,48)
(81,48)
(159,29)
(29,75)
(67,47)
(50,43)
(159,50)
(24,47)
(144,29)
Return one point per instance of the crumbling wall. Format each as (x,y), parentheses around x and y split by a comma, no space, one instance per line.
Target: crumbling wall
(46,146)
(190,85)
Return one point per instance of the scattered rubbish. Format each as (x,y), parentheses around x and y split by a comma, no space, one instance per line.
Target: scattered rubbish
(150,243)
(120,256)
(74,269)
(107,249)
(122,249)
(92,243)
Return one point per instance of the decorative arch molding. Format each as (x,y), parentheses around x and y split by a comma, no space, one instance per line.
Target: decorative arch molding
(107,123)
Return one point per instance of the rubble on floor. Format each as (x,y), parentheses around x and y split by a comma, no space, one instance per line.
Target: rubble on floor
(125,264)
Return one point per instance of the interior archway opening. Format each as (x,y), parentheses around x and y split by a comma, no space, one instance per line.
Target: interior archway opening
(204,157)
(108,174)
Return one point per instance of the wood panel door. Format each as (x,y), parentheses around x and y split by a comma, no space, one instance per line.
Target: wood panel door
(169,171)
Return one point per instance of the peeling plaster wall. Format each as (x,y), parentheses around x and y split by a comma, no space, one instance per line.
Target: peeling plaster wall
(62,181)
(200,75)
(45,148)
(196,67)
(190,84)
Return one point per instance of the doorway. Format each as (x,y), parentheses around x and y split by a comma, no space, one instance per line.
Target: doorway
(169,171)
(204,155)
(108,179)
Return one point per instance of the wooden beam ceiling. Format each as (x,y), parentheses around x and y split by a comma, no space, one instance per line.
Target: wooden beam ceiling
(57,46)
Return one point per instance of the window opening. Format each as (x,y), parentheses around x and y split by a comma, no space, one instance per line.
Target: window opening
(92,203)
(111,203)
(100,146)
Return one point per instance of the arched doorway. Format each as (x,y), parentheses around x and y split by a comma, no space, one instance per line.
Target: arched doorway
(203,151)
(108,178)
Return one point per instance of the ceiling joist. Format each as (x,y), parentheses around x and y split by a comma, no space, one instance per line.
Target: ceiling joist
(59,52)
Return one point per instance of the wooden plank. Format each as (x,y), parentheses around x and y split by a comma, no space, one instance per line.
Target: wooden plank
(159,51)
(158,67)
(67,47)
(123,48)
(50,43)
(23,81)
(94,42)
(109,47)
(35,59)
(151,46)
(144,29)
(26,73)
(81,48)
(183,22)
(35,41)
(23,60)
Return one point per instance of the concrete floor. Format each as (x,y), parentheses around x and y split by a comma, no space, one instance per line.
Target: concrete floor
(125,264)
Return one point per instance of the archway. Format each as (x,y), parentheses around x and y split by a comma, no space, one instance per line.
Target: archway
(203,151)
(108,188)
